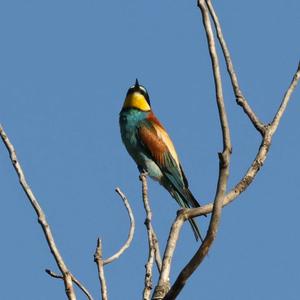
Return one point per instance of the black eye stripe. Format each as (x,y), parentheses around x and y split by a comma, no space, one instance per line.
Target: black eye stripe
(145,94)
(130,91)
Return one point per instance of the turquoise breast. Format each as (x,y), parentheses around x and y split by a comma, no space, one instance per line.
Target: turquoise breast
(130,120)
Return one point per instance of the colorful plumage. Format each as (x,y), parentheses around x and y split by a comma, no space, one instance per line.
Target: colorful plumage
(149,145)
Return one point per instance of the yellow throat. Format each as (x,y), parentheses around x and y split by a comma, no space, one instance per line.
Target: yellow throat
(138,101)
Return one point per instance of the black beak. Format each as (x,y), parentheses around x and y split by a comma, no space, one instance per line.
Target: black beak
(136,84)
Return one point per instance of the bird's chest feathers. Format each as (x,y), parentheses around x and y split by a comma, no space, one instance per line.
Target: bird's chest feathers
(129,121)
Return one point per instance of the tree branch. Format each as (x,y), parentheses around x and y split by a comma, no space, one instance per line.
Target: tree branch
(98,260)
(261,155)
(240,99)
(267,132)
(67,276)
(75,280)
(224,162)
(163,285)
(131,230)
(157,251)
(153,252)
(285,100)
(98,253)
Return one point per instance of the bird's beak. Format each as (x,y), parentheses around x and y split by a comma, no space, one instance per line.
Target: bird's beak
(136,83)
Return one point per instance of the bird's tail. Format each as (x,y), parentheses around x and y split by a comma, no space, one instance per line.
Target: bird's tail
(191,199)
(187,201)
(196,230)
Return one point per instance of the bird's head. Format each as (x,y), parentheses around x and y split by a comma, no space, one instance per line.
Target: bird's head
(137,97)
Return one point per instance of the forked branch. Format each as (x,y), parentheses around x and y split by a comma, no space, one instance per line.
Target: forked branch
(240,99)
(221,199)
(75,280)
(98,257)
(163,290)
(224,162)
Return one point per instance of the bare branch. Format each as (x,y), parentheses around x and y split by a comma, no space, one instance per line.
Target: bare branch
(285,100)
(163,285)
(98,253)
(152,240)
(148,274)
(54,275)
(157,251)
(258,162)
(98,260)
(75,280)
(260,158)
(224,162)
(217,75)
(131,230)
(148,223)
(240,99)
(67,277)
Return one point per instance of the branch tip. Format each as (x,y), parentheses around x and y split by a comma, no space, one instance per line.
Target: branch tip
(131,230)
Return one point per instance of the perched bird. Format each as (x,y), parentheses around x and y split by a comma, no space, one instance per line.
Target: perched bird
(150,146)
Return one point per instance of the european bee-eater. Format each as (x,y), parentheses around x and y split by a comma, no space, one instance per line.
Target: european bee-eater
(148,143)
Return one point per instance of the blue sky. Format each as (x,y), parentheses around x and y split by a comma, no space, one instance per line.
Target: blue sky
(65,69)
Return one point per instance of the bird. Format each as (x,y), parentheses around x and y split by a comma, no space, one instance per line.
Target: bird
(150,146)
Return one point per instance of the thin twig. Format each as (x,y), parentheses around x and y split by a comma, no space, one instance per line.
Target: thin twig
(151,251)
(285,100)
(98,260)
(54,275)
(240,99)
(75,280)
(67,277)
(98,253)
(131,230)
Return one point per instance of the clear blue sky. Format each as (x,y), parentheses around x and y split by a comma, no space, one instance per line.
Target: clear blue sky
(65,68)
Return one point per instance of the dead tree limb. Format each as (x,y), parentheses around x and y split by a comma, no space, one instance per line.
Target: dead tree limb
(221,199)
(131,230)
(67,276)
(224,163)
(98,257)
(240,98)
(153,245)
(75,280)
(100,266)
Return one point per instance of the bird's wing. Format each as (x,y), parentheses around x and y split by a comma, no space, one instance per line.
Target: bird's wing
(158,144)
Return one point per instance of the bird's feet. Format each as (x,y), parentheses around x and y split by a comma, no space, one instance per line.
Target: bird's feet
(143,172)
